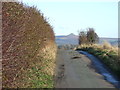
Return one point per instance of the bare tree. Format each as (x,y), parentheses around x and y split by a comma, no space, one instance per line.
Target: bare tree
(88,37)
(82,37)
(92,36)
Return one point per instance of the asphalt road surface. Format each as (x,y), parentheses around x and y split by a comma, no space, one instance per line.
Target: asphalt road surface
(74,70)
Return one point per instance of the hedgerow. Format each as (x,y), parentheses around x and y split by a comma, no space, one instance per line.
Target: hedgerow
(28,47)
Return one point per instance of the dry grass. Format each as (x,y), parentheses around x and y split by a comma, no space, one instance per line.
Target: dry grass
(106,53)
(49,54)
(105,46)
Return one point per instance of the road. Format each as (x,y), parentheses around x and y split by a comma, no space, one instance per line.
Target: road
(74,70)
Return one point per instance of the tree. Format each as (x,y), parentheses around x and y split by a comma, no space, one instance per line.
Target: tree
(92,37)
(88,37)
(82,37)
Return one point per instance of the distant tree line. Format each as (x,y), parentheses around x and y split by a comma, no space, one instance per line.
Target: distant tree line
(88,37)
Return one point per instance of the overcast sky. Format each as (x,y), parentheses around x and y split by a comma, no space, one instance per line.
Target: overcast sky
(70,16)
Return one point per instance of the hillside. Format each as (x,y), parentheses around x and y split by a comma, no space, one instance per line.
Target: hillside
(112,41)
(28,47)
(73,39)
(68,39)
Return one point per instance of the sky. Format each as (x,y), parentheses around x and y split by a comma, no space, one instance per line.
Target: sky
(72,16)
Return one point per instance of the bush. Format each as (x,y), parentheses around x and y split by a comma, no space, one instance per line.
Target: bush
(28,46)
(106,45)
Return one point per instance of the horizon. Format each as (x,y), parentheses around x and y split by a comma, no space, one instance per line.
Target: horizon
(77,35)
(71,17)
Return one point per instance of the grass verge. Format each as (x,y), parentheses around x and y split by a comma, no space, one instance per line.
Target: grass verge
(106,53)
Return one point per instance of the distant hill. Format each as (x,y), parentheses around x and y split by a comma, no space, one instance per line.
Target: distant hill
(112,41)
(73,39)
(68,39)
